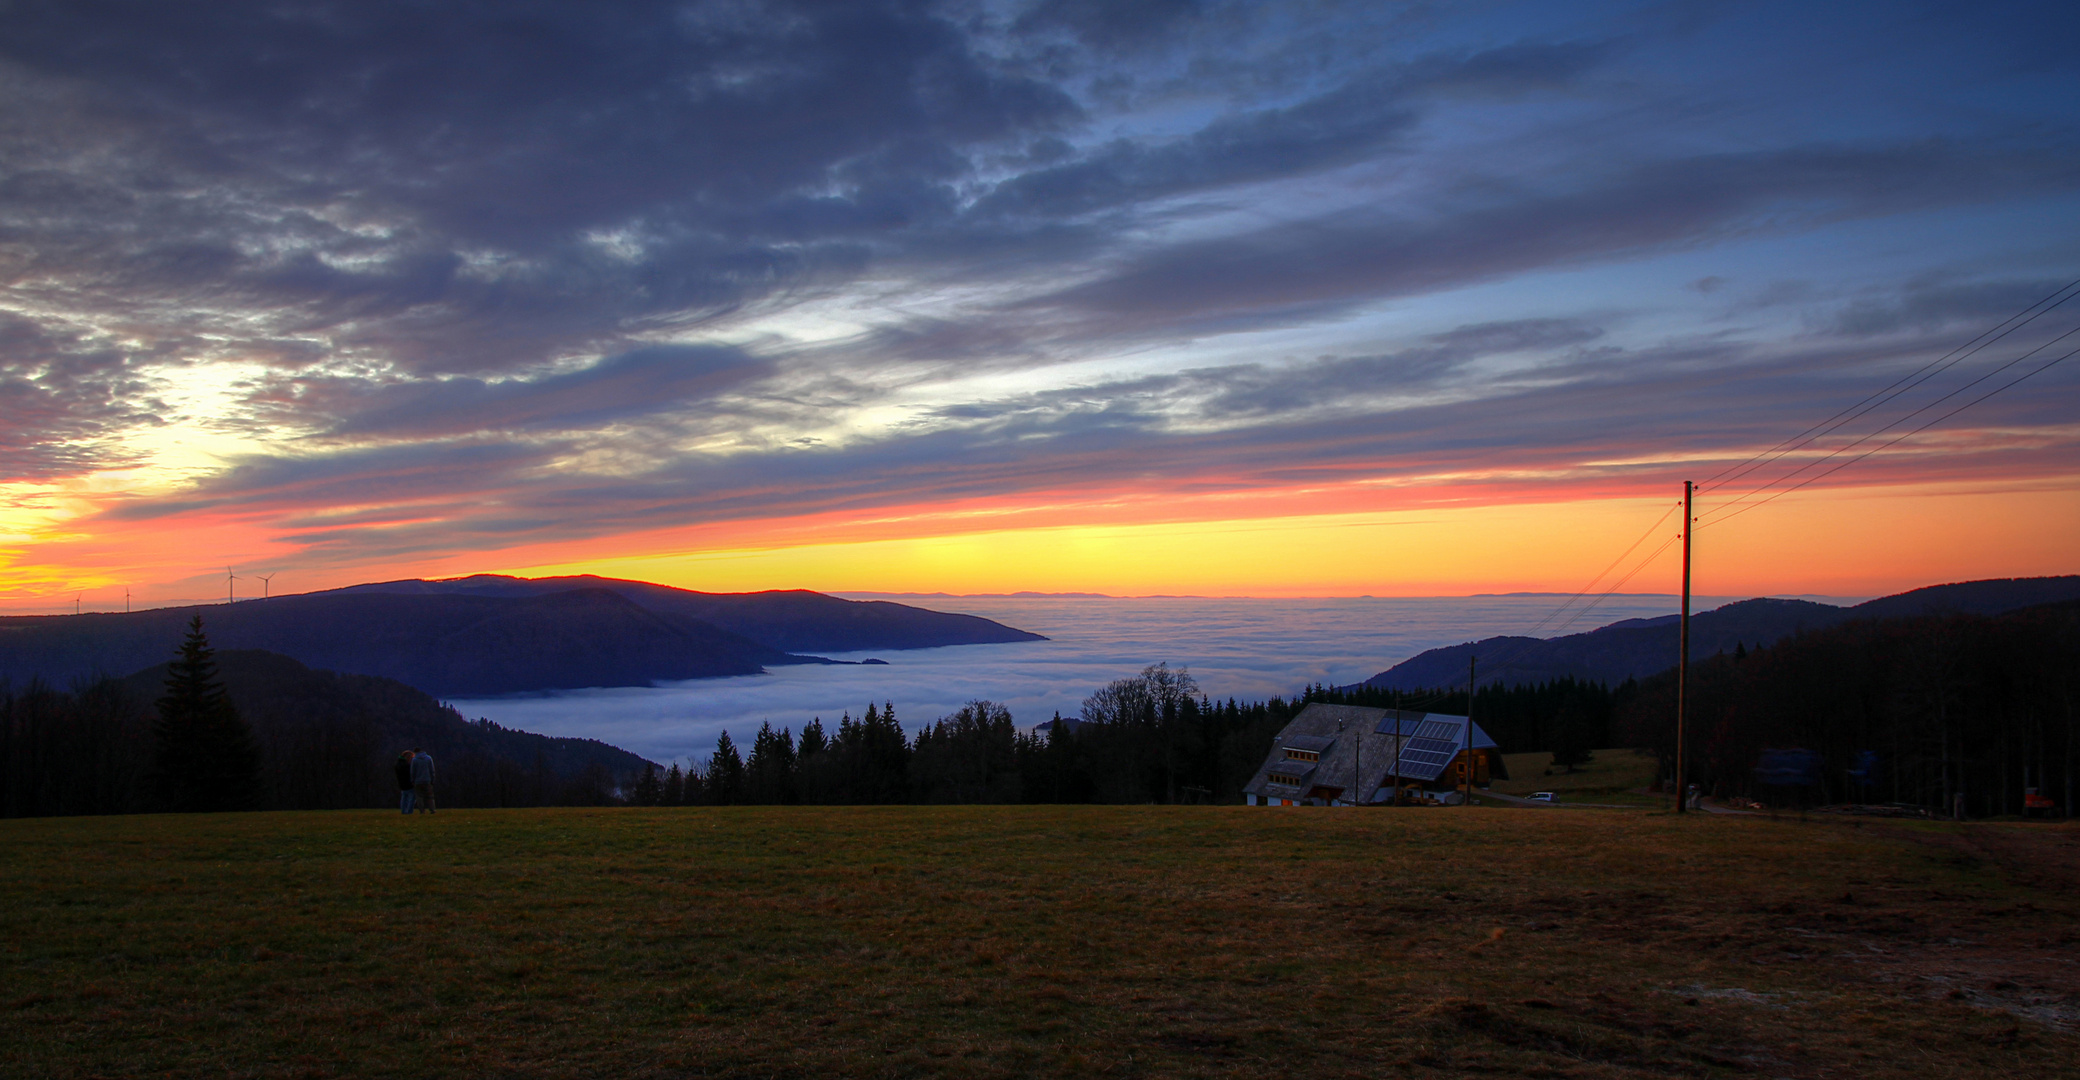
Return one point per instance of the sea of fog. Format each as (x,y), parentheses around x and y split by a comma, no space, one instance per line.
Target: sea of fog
(1244,648)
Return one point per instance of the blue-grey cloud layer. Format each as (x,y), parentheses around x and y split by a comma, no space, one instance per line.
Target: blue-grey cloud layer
(565,251)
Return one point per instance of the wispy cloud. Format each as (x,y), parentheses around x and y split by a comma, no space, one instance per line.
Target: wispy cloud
(389,279)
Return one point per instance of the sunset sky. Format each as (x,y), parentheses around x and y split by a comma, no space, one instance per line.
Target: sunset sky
(1069,295)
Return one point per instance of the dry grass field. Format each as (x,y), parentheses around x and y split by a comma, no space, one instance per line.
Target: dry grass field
(1020,941)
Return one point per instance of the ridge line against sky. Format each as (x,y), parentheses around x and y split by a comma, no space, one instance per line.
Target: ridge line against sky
(1173,297)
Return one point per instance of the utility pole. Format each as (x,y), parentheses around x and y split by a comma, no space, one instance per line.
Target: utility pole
(1466,762)
(1398,737)
(1683,648)
(1357,760)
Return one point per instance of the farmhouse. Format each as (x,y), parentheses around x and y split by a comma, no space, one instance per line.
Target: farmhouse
(1337,755)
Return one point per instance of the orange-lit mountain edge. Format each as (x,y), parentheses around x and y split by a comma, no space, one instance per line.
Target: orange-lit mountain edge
(1494,535)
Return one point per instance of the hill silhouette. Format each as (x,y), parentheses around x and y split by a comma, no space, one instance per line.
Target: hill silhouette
(789,619)
(443,645)
(1637,648)
(496,635)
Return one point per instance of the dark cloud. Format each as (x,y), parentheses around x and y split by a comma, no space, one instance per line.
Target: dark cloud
(65,401)
(1354,121)
(641,382)
(1933,305)
(1324,262)
(1109,26)
(445,245)
(1680,406)
(467,188)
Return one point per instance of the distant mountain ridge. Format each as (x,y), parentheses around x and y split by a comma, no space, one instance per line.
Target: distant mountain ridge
(1636,648)
(497,635)
(789,619)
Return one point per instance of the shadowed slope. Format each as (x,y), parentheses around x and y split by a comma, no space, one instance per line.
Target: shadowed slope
(442,644)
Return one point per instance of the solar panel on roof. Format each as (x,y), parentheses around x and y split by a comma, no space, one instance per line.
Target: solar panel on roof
(1426,758)
(1437,729)
(1433,745)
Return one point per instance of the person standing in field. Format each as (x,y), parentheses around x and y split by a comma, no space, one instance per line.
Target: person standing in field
(422,780)
(403,768)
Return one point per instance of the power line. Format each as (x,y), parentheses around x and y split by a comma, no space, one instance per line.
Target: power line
(1868,404)
(1586,589)
(2047,365)
(1509,658)
(1895,388)
(1723,513)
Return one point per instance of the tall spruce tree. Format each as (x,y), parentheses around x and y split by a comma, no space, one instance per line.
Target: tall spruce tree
(648,789)
(769,771)
(725,781)
(205,758)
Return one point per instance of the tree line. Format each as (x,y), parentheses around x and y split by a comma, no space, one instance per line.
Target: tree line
(1149,738)
(1983,707)
(1915,711)
(279,737)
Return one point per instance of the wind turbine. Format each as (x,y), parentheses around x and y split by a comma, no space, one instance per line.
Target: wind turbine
(264,580)
(230,590)
(75,601)
(126,599)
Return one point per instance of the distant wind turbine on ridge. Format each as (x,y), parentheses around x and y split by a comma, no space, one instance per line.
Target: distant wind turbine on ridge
(265,581)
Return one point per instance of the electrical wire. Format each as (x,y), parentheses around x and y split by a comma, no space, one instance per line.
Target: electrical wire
(2047,365)
(1727,510)
(1895,388)
(1868,404)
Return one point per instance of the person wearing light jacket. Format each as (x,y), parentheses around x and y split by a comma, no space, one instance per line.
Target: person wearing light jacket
(422,780)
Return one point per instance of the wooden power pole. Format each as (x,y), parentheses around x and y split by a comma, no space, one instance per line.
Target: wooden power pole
(1466,763)
(1683,649)
(1398,733)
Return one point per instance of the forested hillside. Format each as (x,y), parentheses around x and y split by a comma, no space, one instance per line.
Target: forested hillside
(1637,648)
(326,742)
(1980,705)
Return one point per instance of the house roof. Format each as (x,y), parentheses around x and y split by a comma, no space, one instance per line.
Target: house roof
(1311,743)
(1358,746)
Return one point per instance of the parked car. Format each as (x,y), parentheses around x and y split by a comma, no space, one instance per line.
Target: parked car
(1544,796)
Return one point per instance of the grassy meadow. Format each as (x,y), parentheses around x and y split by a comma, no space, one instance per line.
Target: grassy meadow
(1017,941)
(1609,777)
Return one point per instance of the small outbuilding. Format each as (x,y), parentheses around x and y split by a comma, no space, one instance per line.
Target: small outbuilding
(1340,755)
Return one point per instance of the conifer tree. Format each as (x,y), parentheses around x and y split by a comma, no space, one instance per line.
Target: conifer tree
(725,773)
(205,758)
(813,740)
(769,772)
(674,793)
(649,789)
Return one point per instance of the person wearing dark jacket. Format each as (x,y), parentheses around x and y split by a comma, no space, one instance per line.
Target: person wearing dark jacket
(404,782)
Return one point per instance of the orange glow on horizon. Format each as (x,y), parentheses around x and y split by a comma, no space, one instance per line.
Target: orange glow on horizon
(1853,542)
(1302,542)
